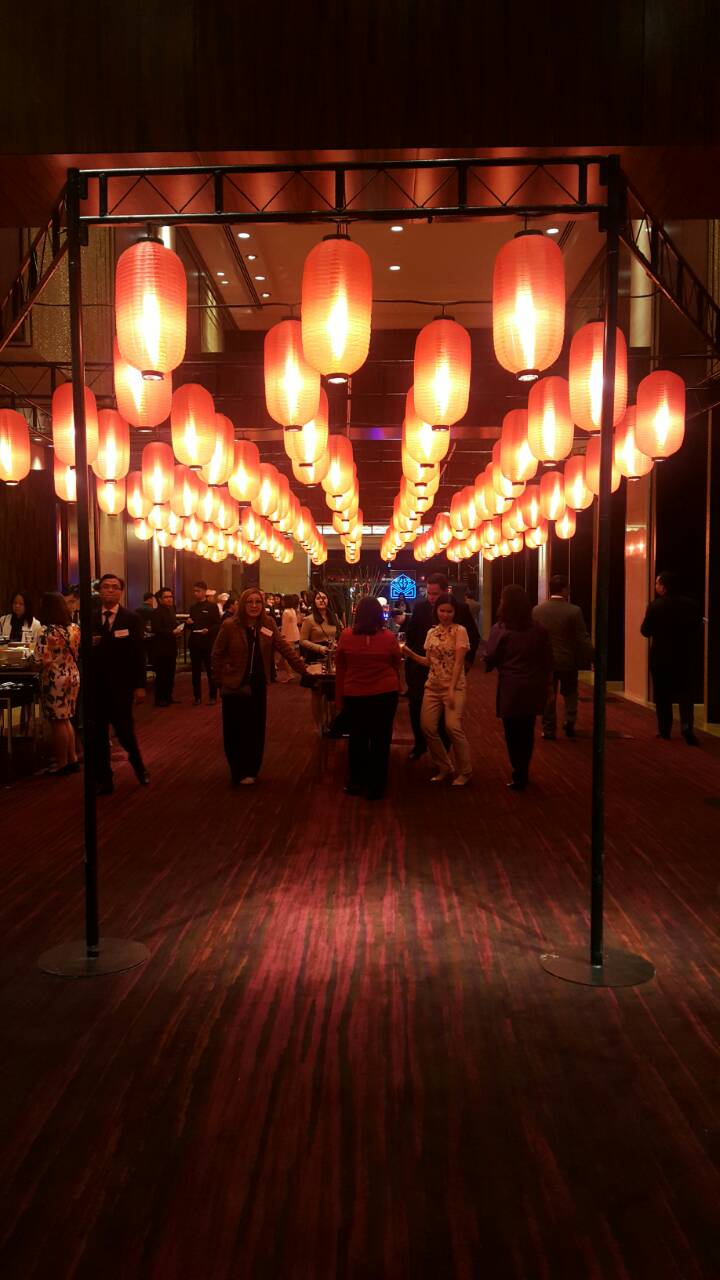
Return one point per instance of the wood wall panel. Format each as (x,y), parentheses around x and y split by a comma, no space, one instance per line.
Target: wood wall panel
(28,547)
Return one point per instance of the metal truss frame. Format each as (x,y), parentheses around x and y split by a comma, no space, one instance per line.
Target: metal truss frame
(46,252)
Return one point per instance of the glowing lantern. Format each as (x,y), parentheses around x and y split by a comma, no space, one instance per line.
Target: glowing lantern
(15,452)
(499,480)
(207,503)
(586,376)
(110,496)
(307,444)
(592,467)
(629,460)
(63,424)
(144,404)
(441,377)
(442,529)
(113,455)
(528,304)
(163,538)
(178,542)
(488,501)
(517,461)
(577,494)
(251,525)
(565,527)
(311,475)
(266,499)
(151,307)
(304,526)
(425,443)
(244,480)
(143,530)
(339,476)
(174,523)
(194,528)
(158,472)
(529,505)
(227,512)
(550,425)
(185,496)
(192,421)
(336,307)
(219,468)
(158,516)
(137,504)
(660,424)
(65,481)
(342,501)
(282,506)
(552,495)
(537,536)
(292,386)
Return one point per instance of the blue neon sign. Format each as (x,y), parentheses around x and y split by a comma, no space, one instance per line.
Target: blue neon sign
(403,585)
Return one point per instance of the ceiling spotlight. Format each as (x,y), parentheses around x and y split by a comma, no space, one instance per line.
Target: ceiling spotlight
(553,231)
(397,227)
(395,267)
(251,257)
(220,273)
(264,295)
(243,235)
(260,277)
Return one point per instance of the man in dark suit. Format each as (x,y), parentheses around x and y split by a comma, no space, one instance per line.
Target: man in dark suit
(165,629)
(415,632)
(572,651)
(118,675)
(203,625)
(674,626)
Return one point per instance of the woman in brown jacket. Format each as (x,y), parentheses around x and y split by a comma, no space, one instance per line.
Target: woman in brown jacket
(242,659)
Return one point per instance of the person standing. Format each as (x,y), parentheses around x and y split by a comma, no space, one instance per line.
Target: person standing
(416,674)
(446,645)
(367,665)
(203,624)
(19,626)
(242,661)
(521,652)
(318,636)
(572,651)
(145,610)
(118,674)
(290,631)
(165,631)
(674,626)
(473,605)
(56,649)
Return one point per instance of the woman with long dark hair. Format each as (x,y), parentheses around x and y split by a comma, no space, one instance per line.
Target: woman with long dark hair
(19,625)
(521,652)
(56,649)
(367,688)
(242,660)
(318,637)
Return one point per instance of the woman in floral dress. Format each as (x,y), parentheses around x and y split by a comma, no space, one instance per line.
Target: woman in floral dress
(446,645)
(56,650)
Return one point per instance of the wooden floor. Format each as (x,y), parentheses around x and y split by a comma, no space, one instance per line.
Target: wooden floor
(343,1058)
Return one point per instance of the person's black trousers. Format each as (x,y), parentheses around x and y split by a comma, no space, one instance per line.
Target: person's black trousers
(416,676)
(164,676)
(199,658)
(243,722)
(669,687)
(369,723)
(115,712)
(519,736)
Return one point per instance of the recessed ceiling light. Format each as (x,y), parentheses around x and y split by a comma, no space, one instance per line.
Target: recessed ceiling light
(394,267)
(260,277)
(397,227)
(553,231)
(251,257)
(224,281)
(220,273)
(243,235)
(264,295)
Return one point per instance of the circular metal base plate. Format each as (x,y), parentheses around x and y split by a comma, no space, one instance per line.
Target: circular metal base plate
(70,959)
(619,969)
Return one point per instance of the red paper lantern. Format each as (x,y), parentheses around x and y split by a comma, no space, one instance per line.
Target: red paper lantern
(311,475)
(292,386)
(142,403)
(592,468)
(565,527)
(336,307)
(137,503)
(630,461)
(159,516)
(63,424)
(113,455)
(552,495)
(660,424)
(517,460)
(151,308)
(425,443)
(528,304)
(341,466)
(110,496)
(244,480)
(529,506)
(266,499)
(577,494)
(143,530)
(342,501)
(441,377)
(586,376)
(158,472)
(499,480)
(550,425)
(65,481)
(15,452)
(219,469)
(185,496)
(307,444)
(192,421)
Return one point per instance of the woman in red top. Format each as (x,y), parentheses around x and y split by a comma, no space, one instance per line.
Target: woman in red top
(367,684)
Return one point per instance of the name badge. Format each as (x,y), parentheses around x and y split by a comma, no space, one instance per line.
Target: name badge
(265,631)
(120,635)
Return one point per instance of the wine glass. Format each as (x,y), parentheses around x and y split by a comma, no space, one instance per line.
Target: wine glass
(401,639)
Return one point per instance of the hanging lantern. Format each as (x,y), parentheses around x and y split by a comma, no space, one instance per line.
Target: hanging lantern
(158,472)
(185,496)
(194,528)
(282,506)
(552,495)
(660,423)
(418,472)
(441,377)
(151,308)
(311,475)
(177,542)
(137,504)
(15,451)
(425,443)
(65,481)
(528,304)
(174,523)
(499,480)
(487,500)
(63,424)
(586,376)
(630,461)
(592,467)
(110,496)
(113,455)
(550,425)
(219,468)
(342,501)
(577,494)
(565,527)
(207,503)
(159,516)
(143,530)
(307,444)
(517,461)
(192,421)
(292,386)
(339,476)
(244,480)
(529,505)
(442,529)
(537,536)
(336,307)
(227,511)
(142,403)
(266,499)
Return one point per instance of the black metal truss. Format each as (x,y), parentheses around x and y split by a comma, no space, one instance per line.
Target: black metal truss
(40,262)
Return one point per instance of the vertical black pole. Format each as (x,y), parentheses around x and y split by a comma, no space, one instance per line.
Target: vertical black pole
(602,571)
(92,939)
